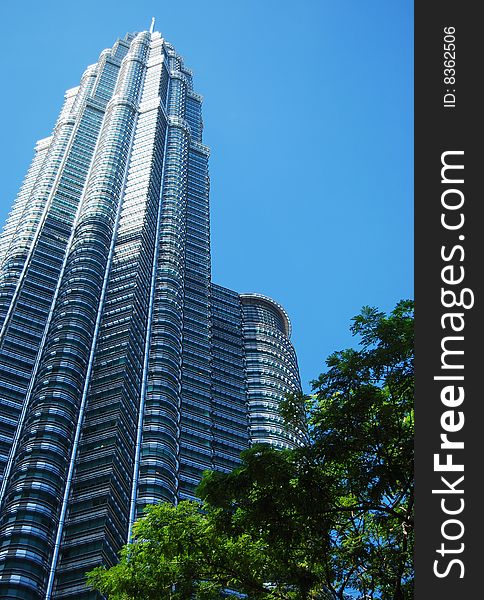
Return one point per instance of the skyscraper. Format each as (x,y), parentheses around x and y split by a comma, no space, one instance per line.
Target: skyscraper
(124,372)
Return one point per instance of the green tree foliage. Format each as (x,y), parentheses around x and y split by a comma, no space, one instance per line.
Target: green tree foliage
(361,425)
(332,520)
(178,554)
(280,499)
(189,551)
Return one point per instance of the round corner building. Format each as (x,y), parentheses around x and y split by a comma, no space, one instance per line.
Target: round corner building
(124,372)
(271,369)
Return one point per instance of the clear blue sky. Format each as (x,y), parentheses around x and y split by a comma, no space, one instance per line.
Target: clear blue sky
(309,115)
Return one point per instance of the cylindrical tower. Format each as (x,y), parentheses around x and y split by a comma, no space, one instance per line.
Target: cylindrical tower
(272,370)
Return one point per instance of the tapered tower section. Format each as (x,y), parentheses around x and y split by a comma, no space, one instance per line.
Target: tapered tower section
(124,373)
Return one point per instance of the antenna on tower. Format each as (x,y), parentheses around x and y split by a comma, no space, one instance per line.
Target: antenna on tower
(152,26)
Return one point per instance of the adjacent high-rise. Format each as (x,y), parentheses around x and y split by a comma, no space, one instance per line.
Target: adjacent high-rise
(124,372)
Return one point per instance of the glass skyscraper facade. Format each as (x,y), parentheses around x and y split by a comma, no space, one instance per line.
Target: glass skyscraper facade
(124,372)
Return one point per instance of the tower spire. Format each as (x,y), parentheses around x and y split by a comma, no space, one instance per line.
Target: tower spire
(152,26)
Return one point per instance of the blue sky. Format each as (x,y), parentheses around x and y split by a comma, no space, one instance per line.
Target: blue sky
(308,111)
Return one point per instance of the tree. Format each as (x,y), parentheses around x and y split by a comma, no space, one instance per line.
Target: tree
(361,425)
(332,520)
(177,553)
(280,500)
(250,535)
